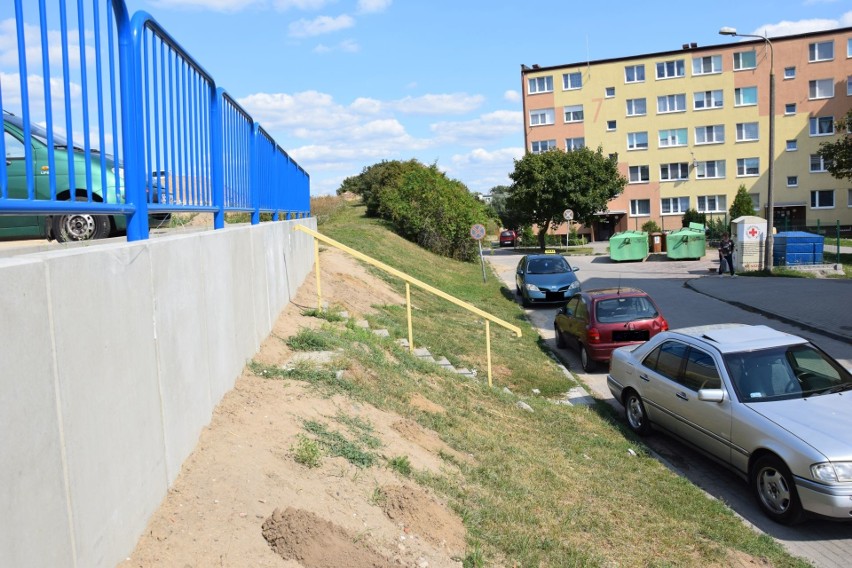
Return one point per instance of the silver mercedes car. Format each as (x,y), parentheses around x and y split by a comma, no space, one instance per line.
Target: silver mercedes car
(769,405)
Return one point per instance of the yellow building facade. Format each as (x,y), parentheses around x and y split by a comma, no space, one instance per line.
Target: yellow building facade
(691,126)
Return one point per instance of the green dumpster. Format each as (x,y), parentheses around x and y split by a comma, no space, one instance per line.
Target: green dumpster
(628,245)
(687,243)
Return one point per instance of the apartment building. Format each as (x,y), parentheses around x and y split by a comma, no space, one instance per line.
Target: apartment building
(692,125)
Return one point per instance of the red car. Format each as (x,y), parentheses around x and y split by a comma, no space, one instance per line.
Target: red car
(595,322)
(508,238)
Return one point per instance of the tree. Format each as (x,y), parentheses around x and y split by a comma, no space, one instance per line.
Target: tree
(499,204)
(374,180)
(693,216)
(837,155)
(742,205)
(546,184)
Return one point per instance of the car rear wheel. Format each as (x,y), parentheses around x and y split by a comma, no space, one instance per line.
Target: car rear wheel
(637,419)
(587,362)
(775,490)
(560,341)
(80,226)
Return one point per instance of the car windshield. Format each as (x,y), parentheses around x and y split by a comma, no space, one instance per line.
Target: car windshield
(793,371)
(554,265)
(629,308)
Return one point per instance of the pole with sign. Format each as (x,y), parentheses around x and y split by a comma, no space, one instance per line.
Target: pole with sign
(478,232)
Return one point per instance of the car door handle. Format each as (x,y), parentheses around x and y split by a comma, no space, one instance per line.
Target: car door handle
(644,377)
(682,395)
(8,162)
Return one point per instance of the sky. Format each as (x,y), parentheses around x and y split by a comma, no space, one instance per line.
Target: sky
(344,84)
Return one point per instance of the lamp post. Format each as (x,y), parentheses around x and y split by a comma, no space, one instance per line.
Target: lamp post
(770,198)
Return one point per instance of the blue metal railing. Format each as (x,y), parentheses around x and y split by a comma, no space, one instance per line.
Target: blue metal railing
(154,133)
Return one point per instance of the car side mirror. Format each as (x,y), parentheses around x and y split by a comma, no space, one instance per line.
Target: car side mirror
(563,310)
(575,268)
(711,395)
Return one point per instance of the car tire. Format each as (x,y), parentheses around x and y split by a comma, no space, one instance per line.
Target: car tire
(587,362)
(775,490)
(560,341)
(637,418)
(524,302)
(80,226)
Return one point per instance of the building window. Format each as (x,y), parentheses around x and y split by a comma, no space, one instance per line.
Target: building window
(745,60)
(703,100)
(713,169)
(821,51)
(822,199)
(673,172)
(670,205)
(671,103)
(822,126)
(670,69)
(610,125)
(712,203)
(673,137)
(707,65)
(748,131)
(792,145)
(789,72)
(792,181)
(640,207)
(714,134)
(574,144)
(574,113)
(818,164)
(821,89)
(572,81)
(849,47)
(637,140)
(541,117)
(849,86)
(849,195)
(790,108)
(745,96)
(634,74)
(636,107)
(540,85)
(542,146)
(610,92)
(748,167)
(638,174)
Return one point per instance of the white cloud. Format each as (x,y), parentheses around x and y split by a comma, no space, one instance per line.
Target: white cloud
(371,6)
(481,156)
(512,96)
(345,46)
(305,5)
(320,25)
(785,27)
(451,103)
(483,129)
(227,6)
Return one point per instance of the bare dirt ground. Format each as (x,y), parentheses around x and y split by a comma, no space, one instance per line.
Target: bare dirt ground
(241,499)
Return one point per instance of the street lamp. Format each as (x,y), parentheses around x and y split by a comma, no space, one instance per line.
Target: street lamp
(770,224)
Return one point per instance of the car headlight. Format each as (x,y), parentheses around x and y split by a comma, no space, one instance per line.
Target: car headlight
(531,287)
(832,472)
(574,284)
(119,171)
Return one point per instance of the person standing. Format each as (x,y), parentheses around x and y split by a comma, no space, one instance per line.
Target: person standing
(726,255)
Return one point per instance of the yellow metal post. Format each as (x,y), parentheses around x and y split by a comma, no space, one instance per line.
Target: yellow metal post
(488,348)
(317,269)
(408,309)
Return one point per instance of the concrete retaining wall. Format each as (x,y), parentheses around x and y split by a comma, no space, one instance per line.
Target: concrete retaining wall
(112,359)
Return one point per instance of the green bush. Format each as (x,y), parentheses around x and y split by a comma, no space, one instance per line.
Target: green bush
(693,216)
(651,227)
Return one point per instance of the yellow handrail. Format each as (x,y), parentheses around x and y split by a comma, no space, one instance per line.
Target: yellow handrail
(409,280)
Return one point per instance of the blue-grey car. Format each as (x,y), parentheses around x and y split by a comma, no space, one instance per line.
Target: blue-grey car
(545,278)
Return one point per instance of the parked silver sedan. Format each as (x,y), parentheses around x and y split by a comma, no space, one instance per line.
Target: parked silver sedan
(769,405)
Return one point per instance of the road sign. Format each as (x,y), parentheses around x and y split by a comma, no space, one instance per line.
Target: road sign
(477,232)
(568,215)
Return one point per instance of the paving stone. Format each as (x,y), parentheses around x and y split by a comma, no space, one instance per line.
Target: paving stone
(362,324)
(381,332)
(422,352)
(403,342)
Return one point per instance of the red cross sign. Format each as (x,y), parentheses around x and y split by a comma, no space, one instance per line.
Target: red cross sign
(752,232)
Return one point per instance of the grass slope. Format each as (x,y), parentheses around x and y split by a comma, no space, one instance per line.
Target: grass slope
(559,486)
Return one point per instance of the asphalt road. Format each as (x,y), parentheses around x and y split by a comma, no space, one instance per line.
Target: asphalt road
(823,543)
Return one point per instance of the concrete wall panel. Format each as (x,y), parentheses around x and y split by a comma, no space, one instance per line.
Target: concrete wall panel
(32,482)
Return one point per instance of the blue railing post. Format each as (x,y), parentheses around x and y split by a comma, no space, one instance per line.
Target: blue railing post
(135,178)
(254,185)
(217,168)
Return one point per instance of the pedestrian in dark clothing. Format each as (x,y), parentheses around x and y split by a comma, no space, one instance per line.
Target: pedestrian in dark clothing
(726,255)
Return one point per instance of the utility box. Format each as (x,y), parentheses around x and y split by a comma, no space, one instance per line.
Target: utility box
(791,248)
(749,243)
(628,245)
(686,243)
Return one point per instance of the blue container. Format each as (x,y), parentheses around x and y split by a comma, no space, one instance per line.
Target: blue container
(797,248)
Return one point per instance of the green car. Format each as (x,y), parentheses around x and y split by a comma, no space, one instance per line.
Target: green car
(62,227)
